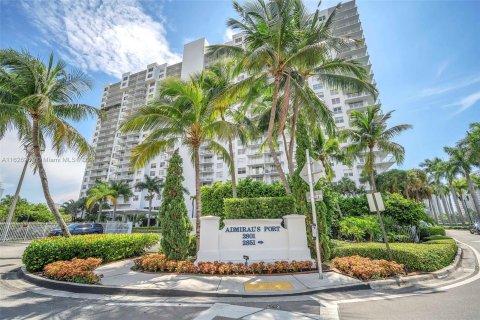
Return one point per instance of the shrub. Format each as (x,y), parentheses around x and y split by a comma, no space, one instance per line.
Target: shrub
(160,263)
(436,237)
(213,196)
(146,230)
(354,206)
(365,268)
(258,208)
(76,270)
(428,256)
(108,247)
(360,228)
(405,211)
(426,232)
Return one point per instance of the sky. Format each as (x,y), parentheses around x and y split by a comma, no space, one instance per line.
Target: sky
(425,57)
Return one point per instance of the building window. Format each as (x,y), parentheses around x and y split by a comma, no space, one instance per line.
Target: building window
(125,78)
(320,95)
(106,89)
(238,40)
(242,170)
(135,198)
(159,196)
(337,110)
(333,92)
(338,119)
(219,165)
(348,174)
(219,174)
(152,173)
(151,90)
(241,151)
(153,165)
(336,101)
(317,86)
(149,75)
(150,69)
(162,164)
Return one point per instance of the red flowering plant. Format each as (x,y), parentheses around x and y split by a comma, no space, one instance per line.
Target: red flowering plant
(75,270)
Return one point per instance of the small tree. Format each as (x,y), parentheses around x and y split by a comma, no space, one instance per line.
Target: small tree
(175,224)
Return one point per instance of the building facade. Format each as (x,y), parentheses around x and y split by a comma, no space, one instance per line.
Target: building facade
(136,89)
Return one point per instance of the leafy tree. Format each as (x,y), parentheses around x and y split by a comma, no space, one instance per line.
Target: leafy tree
(153,186)
(122,188)
(175,226)
(70,207)
(25,211)
(37,99)
(182,114)
(101,194)
(369,133)
(283,40)
(346,187)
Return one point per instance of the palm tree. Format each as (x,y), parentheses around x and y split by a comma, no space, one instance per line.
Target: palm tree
(100,194)
(461,160)
(123,189)
(369,132)
(154,187)
(37,99)
(181,114)
(70,207)
(451,172)
(282,39)
(327,149)
(437,169)
(460,186)
(346,187)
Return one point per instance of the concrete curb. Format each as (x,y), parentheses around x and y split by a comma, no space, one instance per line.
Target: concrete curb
(115,290)
(411,280)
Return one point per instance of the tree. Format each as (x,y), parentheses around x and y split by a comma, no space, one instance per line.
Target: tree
(122,188)
(460,187)
(175,224)
(369,133)
(100,194)
(37,99)
(462,160)
(70,207)
(153,186)
(182,114)
(282,37)
(346,187)
(327,149)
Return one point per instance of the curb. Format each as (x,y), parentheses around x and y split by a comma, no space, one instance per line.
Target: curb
(114,290)
(411,280)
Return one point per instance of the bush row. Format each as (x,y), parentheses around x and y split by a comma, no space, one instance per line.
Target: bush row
(159,263)
(108,247)
(258,208)
(146,230)
(365,268)
(427,256)
(426,232)
(76,270)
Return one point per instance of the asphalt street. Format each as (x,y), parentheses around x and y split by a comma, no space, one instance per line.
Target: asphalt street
(20,300)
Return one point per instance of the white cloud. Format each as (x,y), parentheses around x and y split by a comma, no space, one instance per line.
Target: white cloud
(442,67)
(227,36)
(64,173)
(103,35)
(454,86)
(468,101)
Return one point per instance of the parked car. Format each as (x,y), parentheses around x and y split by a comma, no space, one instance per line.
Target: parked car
(475,227)
(78,229)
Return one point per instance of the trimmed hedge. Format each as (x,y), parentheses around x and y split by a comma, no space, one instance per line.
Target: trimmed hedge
(258,208)
(426,232)
(108,247)
(365,268)
(428,256)
(146,230)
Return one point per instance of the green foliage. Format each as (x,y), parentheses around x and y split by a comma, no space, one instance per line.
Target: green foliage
(354,206)
(426,232)
(213,196)
(428,256)
(25,211)
(108,247)
(176,226)
(146,230)
(258,208)
(360,228)
(405,211)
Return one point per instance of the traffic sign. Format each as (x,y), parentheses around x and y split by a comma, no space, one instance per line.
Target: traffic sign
(318,171)
(375,202)
(318,195)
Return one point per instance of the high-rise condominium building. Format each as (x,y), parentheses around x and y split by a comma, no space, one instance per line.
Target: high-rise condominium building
(135,89)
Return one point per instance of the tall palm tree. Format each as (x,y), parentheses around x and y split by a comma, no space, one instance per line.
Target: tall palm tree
(281,37)
(462,160)
(70,207)
(437,168)
(346,187)
(451,172)
(326,150)
(37,99)
(123,189)
(182,114)
(154,187)
(460,186)
(101,194)
(369,132)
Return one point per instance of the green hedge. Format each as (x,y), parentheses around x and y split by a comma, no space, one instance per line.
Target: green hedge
(108,247)
(428,256)
(426,232)
(258,208)
(146,230)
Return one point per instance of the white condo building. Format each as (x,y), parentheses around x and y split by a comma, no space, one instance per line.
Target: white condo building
(135,89)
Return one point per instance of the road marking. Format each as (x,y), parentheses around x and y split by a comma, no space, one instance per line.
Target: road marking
(160,304)
(223,309)
(268,286)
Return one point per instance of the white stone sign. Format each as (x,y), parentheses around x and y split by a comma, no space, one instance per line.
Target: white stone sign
(259,239)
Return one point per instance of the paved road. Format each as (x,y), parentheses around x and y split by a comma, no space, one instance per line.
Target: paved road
(19,300)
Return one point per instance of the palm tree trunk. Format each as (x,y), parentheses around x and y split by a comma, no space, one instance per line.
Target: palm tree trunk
(465,209)
(432,209)
(439,209)
(271,145)
(197,192)
(457,204)
(291,145)
(232,169)
(471,189)
(445,207)
(450,206)
(44,180)
(150,198)
(99,214)
(286,151)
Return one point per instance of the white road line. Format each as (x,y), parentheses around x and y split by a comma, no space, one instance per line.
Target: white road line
(228,310)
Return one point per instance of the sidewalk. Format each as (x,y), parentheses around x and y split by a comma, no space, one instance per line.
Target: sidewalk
(119,274)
